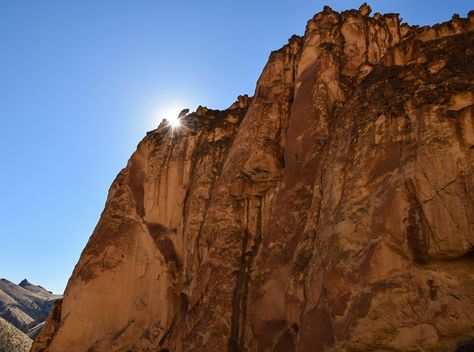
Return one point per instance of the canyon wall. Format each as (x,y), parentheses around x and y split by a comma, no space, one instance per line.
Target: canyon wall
(331,211)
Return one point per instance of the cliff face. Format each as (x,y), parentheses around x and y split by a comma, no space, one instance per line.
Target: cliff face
(332,211)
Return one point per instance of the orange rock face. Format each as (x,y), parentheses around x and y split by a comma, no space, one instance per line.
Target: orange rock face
(333,211)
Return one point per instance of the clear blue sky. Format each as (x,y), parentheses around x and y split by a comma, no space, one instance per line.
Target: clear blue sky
(82,81)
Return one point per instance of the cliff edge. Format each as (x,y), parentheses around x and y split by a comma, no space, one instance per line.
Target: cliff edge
(332,211)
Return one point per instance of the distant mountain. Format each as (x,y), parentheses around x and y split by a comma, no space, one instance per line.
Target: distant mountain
(12,339)
(26,306)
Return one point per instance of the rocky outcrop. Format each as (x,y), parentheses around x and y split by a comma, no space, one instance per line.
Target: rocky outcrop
(333,211)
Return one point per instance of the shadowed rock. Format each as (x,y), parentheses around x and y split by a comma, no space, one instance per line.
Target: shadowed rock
(332,211)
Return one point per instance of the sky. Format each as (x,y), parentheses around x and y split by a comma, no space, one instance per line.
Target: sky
(81,82)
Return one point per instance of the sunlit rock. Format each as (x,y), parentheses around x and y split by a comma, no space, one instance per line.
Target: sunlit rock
(333,211)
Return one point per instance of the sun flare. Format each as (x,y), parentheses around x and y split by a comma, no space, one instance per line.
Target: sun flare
(171,116)
(174,121)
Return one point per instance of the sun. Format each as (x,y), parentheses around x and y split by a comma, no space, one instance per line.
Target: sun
(171,117)
(174,121)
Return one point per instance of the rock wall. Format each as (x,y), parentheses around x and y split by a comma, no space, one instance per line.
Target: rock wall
(333,211)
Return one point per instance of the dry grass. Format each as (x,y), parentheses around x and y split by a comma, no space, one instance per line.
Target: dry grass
(12,339)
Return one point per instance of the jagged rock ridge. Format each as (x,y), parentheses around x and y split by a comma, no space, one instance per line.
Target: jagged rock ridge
(332,211)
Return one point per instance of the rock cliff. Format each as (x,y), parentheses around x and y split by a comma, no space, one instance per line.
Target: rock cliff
(332,211)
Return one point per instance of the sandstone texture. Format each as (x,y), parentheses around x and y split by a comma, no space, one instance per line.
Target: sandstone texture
(332,211)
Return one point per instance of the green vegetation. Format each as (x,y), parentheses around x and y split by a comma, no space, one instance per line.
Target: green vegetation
(12,339)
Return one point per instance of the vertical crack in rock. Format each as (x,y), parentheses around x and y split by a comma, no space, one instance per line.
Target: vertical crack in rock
(200,153)
(417,229)
(250,245)
(222,152)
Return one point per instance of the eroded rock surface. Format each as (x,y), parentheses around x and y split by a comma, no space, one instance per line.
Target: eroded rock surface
(333,211)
